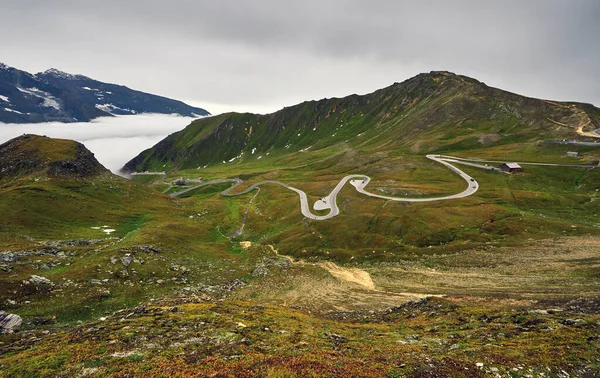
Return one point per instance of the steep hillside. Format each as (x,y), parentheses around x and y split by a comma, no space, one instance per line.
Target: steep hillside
(58,96)
(434,112)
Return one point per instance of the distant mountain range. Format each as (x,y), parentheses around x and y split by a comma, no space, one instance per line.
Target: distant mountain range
(54,95)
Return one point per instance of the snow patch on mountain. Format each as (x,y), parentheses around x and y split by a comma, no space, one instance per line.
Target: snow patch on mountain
(49,100)
(13,111)
(235,158)
(110,108)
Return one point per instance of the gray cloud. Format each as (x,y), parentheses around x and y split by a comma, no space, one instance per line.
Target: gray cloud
(263,54)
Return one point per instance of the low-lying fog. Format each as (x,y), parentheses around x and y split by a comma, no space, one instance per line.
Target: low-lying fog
(114,140)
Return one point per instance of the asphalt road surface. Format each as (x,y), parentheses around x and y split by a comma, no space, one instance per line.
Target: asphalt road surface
(358,181)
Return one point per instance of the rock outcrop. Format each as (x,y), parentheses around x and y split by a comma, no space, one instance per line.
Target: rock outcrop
(9,323)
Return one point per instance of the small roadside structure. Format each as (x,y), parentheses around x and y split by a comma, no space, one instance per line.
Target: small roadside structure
(510,167)
(180,182)
(572,154)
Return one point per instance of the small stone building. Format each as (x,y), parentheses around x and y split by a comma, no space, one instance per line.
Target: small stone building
(510,167)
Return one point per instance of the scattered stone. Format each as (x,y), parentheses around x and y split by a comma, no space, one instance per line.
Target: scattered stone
(89,371)
(121,274)
(80,243)
(572,321)
(126,354)
(541,312)
(127,260)
(147,248)
(9,257)
(335,337)
(40,281)
(9,323)
(260,271)
(263,268)
(178,268)
(235,284)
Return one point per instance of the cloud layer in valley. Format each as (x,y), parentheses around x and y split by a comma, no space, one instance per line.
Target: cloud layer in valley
(113,140)
(259,55)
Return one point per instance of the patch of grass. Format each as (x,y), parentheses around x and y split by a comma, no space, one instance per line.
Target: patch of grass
(133,223)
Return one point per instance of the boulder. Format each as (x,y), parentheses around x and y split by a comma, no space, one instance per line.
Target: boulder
(127,260)
(9,323)
(40,281)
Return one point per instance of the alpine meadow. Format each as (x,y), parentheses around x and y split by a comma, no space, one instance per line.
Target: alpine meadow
(325,239)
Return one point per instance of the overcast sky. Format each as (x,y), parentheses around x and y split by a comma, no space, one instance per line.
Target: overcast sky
(261,55)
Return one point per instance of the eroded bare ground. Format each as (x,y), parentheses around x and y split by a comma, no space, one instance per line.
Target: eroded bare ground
(560,269)
(323,287)
(555,268)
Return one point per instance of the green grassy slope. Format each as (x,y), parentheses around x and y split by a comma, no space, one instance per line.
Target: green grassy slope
(56,208)
(435,112)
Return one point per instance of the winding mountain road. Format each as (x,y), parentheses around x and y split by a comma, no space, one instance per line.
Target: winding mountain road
(465,161)
(358,181)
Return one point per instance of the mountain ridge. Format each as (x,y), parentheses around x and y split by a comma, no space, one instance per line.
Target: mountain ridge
(54,95)
(436,110)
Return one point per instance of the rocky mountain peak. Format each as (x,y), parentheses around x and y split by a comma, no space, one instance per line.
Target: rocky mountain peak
(60,74)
